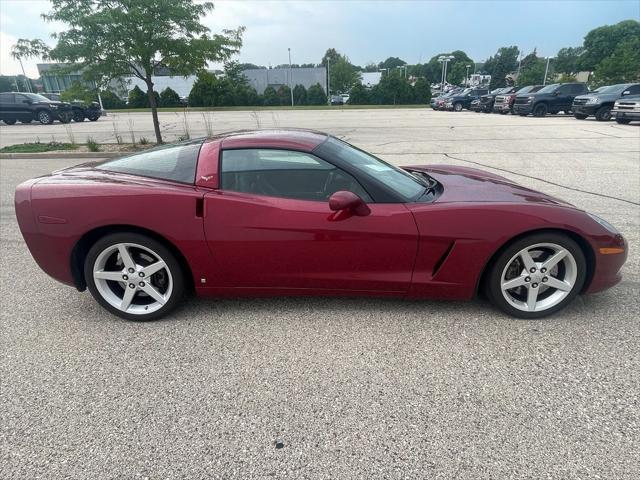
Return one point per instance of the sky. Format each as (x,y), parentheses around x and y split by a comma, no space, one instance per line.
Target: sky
(366,31)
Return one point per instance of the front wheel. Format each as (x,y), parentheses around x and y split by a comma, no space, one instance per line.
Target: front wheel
(603,114)
(457,107)
(134,276)
(580,116)
(621,121)
(537,275)
(78,116)
(45,117)
(540,110)
(9,121)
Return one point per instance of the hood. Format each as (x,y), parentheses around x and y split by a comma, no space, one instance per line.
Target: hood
(464,184)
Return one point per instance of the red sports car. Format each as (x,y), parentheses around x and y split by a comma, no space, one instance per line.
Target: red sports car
(296,212)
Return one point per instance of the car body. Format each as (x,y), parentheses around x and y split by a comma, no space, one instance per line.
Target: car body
(627,109)
(462,100)
(337,100)
(551,98)
(487,101)
(600,103)
(296,212)
(81,110)
(503,103)
(27,107)
(475,106)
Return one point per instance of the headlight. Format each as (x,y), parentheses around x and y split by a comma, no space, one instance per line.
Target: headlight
(53,106)
(604,223)
(593,100)
(530,99)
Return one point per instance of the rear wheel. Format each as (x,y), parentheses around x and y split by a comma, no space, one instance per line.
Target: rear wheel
(537,275)
(457,107)
(540,110)
(623,121)
(9,121)
(65,117)
(78,116)
(580,116)
(134,276)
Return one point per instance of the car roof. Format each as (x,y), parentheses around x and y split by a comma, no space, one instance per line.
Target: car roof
(286,138)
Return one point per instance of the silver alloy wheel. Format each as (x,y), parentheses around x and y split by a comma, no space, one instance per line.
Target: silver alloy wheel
(44,117)
(539,277)
(132,278)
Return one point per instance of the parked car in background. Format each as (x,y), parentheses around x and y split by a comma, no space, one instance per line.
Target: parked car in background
(337,100)
(345,98)
(553,98)
(486,102)
(438,102)
(475,106)
(600,103)
(503,103)
(27,107)
(81,110)
(627,109)
(463,99)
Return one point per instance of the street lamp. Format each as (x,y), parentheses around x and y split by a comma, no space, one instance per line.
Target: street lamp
(444,59)
(546,71)
(290,77)
(467,76)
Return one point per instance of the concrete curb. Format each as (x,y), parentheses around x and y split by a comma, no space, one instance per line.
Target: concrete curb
(46,155)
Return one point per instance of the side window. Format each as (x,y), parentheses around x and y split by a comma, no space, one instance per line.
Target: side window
(633,89)
(284,173)
(176,163)
(577,89)
(7,98)
(564,90)
(20,98)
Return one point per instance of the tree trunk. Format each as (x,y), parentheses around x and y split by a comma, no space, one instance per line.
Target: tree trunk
(154,110)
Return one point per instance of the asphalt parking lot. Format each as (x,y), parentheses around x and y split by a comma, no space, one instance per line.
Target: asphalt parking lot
(334,388)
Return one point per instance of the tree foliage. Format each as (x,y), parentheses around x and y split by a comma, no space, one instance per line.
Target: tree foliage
(532,70)
(299,95)
(316,95)
(169,98)
(359,95)
(392,62)
(622,66)
(422,91)
(343,75)
(110,101)
(109,39)
(78,92)
(567,59)
(505,61)
(602,42)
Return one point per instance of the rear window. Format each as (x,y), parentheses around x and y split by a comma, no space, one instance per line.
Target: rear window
(176,162)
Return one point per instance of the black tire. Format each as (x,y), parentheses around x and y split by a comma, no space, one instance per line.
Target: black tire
(65,117)
(457,107)
(9,121)
(93,118)
(160,250)
(45,117)
(603,114)
(492,286)
(623,121)
(580,116)
(78,115)
(540,110)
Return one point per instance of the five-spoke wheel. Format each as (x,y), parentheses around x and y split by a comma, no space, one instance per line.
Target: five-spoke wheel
(537,275)
(133,276)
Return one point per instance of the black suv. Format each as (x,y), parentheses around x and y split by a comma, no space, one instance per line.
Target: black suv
(81,110)
(504,103)
(27,107)
(600,102)
(550,99)
(463,99)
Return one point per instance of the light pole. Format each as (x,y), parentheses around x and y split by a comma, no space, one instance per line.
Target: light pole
(467,76)
(444,59)
(328,83)
(290,77)
(546,71)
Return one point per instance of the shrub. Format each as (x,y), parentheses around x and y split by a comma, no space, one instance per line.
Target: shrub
(316,95)
(359,95)
(169,98)
(110,101)
(299,95)
(92,145)
(270,97)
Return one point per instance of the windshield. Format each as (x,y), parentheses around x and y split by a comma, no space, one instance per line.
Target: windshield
(612,88)
(498,90)
(393,177)
(549,88)
(34,97)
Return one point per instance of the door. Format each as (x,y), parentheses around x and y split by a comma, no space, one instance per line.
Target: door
(563,98)
(23,107)
(8,106)
(269,226)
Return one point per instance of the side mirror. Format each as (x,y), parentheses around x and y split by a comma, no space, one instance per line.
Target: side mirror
(349,201)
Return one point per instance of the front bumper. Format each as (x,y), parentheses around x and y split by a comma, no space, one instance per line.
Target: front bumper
(586,109)
(522,108)
(627,114)
(607,266)
(501,107)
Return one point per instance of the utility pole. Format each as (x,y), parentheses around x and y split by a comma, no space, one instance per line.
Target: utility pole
(466,78)
(328,83)
(444,59)
(25,76)
(290,77)
(546,71)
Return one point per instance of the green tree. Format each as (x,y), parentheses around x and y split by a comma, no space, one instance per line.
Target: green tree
(505,61)
(204,90)
(532,70)
(137,98)
(422,91)
(566,60)
(456,68)
(602,42)
(331,56)
(169,98)
(79,92)
(110,101)
(622,66)
(284,95)
(271,97)
(7,84)
(392,89)
(316,95)
(359,95)
(299,95)
(109,39)
(343,75)
(392,62)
